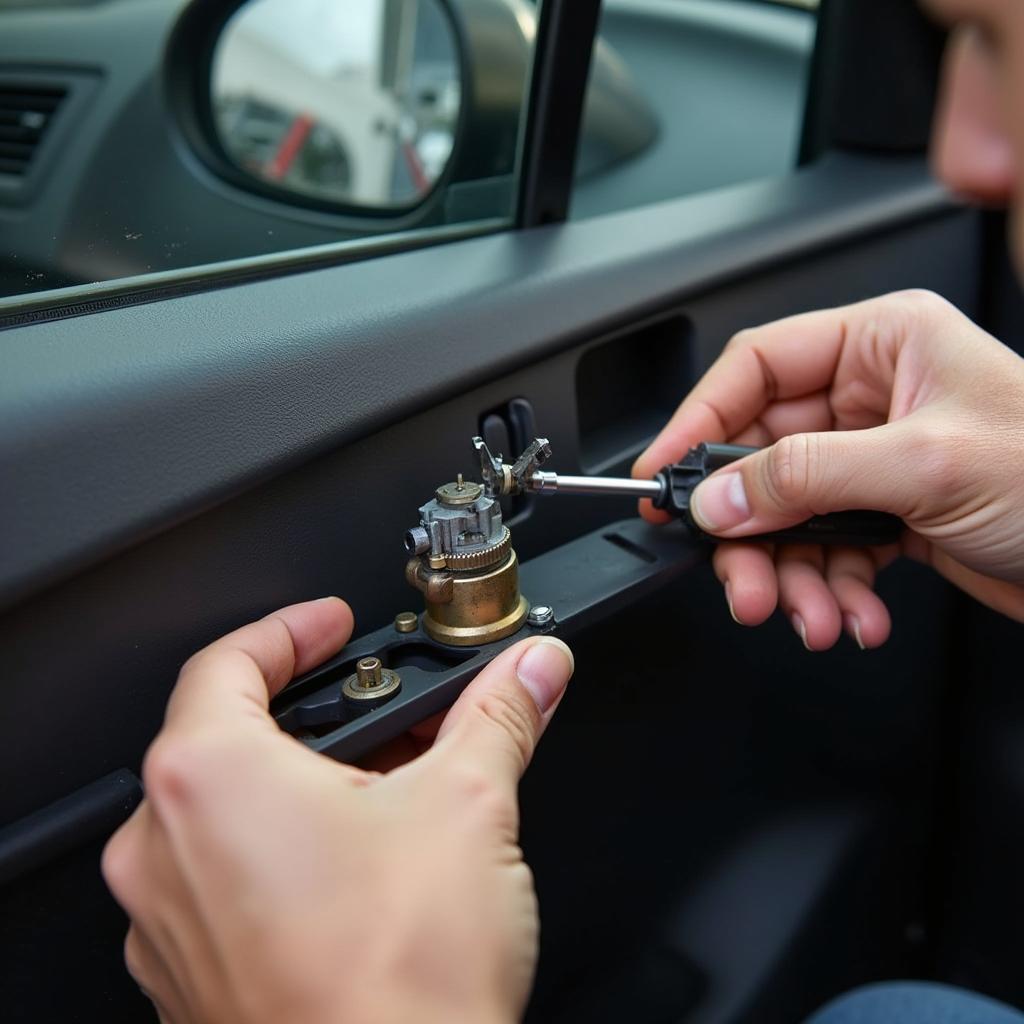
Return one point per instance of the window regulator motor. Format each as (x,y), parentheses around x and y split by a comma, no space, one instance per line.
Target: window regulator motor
(462,561)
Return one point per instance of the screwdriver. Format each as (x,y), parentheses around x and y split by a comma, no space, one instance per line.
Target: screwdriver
(672,489)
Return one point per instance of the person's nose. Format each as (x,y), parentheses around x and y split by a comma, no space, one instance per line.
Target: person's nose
(971,149)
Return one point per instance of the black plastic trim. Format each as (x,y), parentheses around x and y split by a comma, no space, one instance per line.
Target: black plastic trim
(90,813)
(883,104)
(100,296)
(565,34)
(585,581)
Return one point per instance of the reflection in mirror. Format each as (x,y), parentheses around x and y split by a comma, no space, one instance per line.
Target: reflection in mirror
(354,103)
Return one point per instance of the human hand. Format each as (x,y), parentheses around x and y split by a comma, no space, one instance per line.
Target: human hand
(899,404)
(265,882)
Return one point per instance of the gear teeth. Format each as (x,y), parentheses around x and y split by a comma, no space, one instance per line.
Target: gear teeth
(484,557)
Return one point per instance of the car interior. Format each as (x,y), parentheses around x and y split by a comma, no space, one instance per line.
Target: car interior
(242,340)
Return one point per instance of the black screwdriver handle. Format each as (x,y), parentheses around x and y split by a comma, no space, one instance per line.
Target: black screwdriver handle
(858,528)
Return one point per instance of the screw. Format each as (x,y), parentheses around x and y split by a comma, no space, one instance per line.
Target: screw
(369,686)
(368,673)
(541,615)
(406,622)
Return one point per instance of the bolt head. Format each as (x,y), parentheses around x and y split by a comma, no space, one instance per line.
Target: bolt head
(406,622)
(541,615)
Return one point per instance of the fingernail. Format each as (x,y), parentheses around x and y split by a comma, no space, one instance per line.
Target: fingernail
(852,624)
(728,601)
(798,625)
(720,503)
(544,670)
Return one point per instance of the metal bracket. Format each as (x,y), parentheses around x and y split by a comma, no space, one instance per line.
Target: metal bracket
(499,478)
(582,582)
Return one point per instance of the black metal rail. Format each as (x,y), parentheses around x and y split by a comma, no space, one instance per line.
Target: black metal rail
(584,581)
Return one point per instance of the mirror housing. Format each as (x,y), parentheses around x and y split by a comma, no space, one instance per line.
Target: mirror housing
(316,161)
(495,40)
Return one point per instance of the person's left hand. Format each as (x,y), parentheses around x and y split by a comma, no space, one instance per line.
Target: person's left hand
(265,882)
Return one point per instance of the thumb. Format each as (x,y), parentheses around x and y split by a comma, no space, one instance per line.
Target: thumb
(804,475)
(496,723)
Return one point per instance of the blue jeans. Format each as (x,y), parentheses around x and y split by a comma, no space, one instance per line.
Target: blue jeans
(914,1002)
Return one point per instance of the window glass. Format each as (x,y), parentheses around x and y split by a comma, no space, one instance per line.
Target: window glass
(691,95)
(126,149)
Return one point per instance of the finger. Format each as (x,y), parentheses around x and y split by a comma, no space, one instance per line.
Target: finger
(803,475)
(756,435)
(805,596)
(797,416)
(786,359)
(495,724)
(850,573)
(141,871)
(747,573)
(137,960)
(234,678)
(121,862)
(149,972)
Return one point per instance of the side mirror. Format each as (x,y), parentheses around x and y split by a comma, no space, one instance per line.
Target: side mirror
(408,112)
(353,107)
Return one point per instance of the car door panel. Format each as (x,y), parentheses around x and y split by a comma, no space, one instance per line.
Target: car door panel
(239,384)
(181,466)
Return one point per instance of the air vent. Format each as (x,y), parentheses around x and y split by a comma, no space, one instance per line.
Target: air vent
(26,109)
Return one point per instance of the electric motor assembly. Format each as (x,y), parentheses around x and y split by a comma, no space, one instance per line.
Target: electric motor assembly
(463,563)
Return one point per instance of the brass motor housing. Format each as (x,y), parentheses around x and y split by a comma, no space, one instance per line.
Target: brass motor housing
(467,608)
(465,567)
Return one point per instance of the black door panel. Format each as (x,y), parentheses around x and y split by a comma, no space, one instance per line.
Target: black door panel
(336,523)
(180,467)
(130,420)
(753,838)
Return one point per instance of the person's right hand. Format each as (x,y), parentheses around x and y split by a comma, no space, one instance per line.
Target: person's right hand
(899,404)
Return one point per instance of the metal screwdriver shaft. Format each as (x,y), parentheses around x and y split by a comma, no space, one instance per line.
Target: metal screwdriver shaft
(552,483)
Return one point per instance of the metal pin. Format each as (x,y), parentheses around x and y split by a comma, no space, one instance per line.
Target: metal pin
(368,673)
(406,622)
